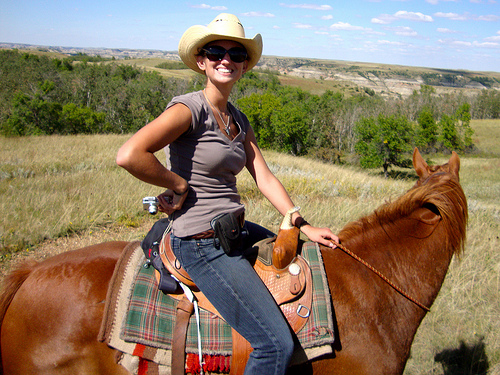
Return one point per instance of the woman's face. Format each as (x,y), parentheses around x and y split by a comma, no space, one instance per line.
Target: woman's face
(225,70)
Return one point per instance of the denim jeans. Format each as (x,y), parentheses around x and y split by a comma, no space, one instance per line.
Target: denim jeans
(242,299)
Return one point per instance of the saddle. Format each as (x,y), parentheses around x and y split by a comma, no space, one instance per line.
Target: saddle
(285,273)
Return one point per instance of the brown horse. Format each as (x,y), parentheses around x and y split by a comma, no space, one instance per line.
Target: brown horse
(51,311)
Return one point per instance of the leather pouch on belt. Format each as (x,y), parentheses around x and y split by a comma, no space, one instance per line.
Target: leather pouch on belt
(228,230)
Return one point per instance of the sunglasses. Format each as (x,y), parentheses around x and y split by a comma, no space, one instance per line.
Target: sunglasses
(217,53)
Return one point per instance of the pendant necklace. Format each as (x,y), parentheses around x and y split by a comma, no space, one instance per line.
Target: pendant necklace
(227,127)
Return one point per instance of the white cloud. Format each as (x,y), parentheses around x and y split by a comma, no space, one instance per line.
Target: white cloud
(388,42)
(385,19)
(461,43)
(345,26)
(403,31)
(445,30)
(495,38)
(487,45)
(201,6)
(336,39)
(307,6)
(206,6)
(489,18)
(413,16)
(467,16)
(258,14)
(373,32)
(451,16)
(435,2)
(299,25)
(329,17)
(466,44)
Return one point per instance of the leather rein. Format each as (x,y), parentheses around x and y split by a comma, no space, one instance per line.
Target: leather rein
(378,273)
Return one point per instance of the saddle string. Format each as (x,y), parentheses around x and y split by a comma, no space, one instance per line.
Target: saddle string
(192,298)
(378,273)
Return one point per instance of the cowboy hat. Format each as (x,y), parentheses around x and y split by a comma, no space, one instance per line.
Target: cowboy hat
(224,27)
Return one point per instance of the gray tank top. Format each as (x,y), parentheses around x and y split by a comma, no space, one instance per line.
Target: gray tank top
(209,161)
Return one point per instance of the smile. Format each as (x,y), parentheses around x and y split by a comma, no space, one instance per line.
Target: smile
(224,70)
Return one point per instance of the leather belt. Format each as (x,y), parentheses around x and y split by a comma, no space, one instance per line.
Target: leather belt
(206,234)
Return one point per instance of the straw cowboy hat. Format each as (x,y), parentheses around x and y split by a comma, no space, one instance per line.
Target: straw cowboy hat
(224,27)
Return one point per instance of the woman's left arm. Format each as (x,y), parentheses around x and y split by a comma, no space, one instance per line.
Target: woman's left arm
(276,193)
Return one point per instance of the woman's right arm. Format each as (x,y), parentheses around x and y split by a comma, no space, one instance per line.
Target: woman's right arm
(137,155)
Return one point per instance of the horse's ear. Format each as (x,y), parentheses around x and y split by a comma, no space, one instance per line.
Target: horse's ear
(454,163)
(420,165)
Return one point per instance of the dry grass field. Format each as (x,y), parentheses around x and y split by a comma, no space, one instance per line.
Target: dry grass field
(60,193)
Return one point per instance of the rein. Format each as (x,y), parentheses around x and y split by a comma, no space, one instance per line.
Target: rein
(378,273)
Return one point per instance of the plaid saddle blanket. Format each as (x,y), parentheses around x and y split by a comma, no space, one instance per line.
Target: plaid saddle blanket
(139,320)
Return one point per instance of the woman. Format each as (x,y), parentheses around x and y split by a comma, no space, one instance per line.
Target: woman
(208,142)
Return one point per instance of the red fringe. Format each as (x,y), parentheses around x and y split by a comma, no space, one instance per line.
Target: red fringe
(143,364)
(139,350)
(143,367)
(212,363)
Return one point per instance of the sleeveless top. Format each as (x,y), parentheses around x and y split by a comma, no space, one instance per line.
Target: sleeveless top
(209,162)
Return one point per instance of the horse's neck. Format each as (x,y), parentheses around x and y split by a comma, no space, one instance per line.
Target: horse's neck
(370,310)
(411,252)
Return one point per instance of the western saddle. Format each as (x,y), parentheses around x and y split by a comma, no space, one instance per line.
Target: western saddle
(285,273)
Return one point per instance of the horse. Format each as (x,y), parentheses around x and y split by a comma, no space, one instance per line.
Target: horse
(51,311)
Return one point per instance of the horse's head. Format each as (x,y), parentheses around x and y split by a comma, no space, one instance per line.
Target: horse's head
(439,190)
(424,171)
(437,197)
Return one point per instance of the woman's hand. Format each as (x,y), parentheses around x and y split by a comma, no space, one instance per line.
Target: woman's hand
(323,236)
(170,201)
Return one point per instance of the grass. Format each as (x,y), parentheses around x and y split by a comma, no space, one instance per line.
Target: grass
(56,186)
(69,188)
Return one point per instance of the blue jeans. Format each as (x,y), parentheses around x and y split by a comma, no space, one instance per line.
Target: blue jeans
(242,299)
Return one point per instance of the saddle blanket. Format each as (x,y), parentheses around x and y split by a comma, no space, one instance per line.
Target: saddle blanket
(139,320)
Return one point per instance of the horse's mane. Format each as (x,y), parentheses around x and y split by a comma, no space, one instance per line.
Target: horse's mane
(440,192)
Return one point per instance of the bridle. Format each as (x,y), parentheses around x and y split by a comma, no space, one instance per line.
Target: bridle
(378,273)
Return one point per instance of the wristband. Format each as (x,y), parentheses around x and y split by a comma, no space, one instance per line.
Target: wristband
(181,194)
(302,223)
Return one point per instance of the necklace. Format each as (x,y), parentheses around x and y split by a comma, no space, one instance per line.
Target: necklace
(227,128)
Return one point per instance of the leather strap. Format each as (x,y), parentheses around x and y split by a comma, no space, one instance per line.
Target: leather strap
(240,355)
(184,311)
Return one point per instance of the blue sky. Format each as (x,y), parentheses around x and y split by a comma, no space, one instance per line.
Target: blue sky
(448,34)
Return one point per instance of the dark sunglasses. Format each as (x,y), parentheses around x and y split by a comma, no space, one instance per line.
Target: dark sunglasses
(217,53)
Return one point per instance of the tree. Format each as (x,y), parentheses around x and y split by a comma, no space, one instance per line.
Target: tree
(78,120)
(427,130)
(487,104)
(291,130)
(34,114)
(449,137)
(280,121)
(259,109)
(463,116)
(384,141)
